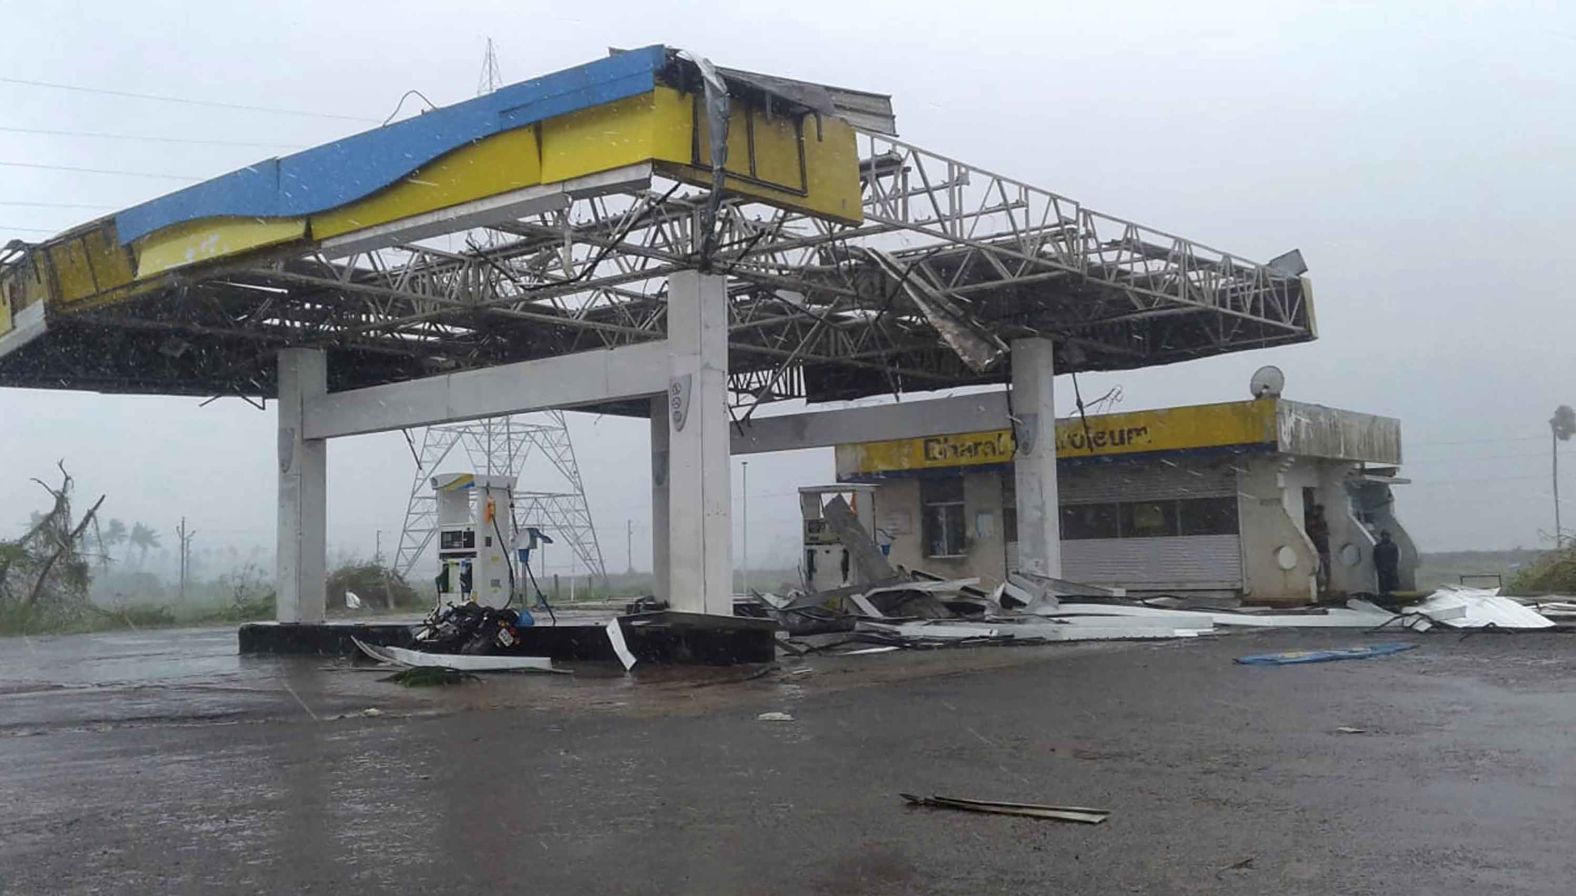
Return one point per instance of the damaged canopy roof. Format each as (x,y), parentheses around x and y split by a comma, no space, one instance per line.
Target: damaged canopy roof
(545,219)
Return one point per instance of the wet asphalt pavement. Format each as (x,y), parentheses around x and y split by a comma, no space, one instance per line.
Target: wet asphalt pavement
(162,763)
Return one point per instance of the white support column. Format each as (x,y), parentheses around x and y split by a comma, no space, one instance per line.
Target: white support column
(659,496)
(700,571)
(1034,465)
(303,490)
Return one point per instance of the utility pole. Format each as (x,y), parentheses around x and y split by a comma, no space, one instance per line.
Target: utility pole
(185,552)
(377,550)
(744,490)
(1561,427)
(629,545)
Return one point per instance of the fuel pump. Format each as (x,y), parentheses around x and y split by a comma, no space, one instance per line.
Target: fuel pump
(476,539)
(826,560)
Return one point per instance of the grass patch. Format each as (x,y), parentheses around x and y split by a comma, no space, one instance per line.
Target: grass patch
(17,620)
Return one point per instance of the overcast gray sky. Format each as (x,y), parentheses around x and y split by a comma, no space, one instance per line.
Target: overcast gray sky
(1420,155)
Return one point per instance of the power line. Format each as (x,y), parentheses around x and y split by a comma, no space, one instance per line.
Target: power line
(150,139)
(27,82)
(1438,481)
(25,229)
(1412,444)
(1475,457)
(97,170)
(52,204)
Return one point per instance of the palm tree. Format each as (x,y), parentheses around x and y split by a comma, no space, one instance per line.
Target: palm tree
(110,537)
(144,539)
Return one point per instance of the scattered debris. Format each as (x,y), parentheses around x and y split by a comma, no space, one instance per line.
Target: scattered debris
(864,607)
(352,600)
(774,717)
(870,565)
(1037,594)
(461,662)
(615,634)
(1240,865)
(1348,729)
(1478,608)
(372,712)
(469,628)
(1550,606)
(791,647)
(933,633)
(1065,587)
(647,604)
(909,608)
(1029,810)
(912,599)
(1328,655)
(1356,614)
(968,605)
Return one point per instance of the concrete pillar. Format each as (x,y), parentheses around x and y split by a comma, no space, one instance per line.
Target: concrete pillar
(1350,570)
(659,496)
(1034,463)
(700,570)
(303,490)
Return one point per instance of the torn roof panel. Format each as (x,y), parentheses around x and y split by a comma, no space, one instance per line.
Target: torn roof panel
(337,173)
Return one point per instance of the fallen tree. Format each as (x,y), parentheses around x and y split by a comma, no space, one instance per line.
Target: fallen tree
(45,574)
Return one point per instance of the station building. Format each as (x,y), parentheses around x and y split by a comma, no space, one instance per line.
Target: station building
(1208,498)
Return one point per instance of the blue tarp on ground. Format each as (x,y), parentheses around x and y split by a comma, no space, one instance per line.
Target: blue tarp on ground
(1327,655)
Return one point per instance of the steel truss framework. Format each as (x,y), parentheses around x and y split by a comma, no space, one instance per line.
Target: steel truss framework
(502,446)
(818,310)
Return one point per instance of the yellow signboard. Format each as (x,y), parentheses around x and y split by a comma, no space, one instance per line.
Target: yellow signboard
(1169,429)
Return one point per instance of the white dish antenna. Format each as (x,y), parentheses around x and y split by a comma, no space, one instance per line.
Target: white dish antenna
(1267,382)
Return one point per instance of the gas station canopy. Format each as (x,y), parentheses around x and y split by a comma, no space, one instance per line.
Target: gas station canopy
(544,219)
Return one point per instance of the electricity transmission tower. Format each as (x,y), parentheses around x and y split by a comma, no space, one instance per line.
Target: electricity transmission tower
(501,446)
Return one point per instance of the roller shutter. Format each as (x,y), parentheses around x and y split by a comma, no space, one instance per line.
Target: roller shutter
(1182,562)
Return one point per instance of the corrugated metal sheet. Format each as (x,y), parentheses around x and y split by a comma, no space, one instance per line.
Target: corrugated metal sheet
(1182,562)
(1146,480)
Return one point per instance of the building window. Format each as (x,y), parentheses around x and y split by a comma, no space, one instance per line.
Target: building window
(944,525)
(1208,516)
(1081,521)
(1149,519)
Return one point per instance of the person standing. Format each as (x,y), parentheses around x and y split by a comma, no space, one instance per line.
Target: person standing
(1318,530)
(1387,563)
